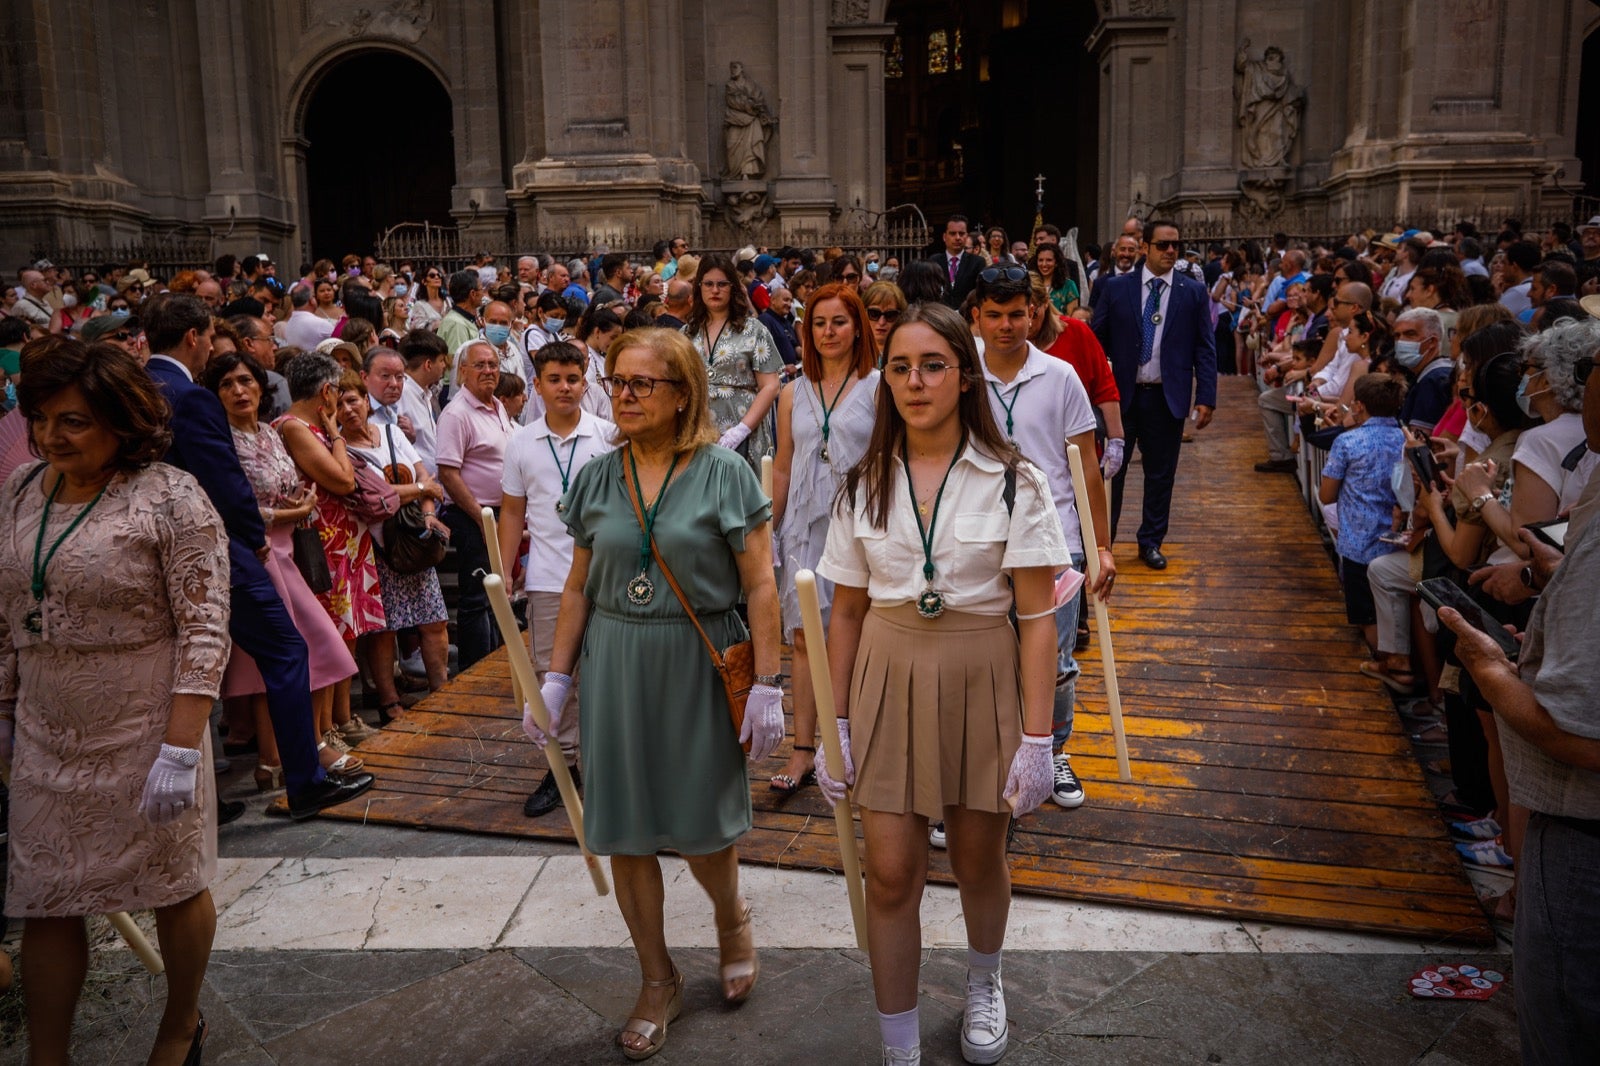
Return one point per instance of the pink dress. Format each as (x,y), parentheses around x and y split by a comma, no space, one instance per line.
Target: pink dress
(276,479)
(355,603)
(135,610)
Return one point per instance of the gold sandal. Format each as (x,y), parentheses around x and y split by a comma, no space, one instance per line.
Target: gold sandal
(651,1031)
(740,969)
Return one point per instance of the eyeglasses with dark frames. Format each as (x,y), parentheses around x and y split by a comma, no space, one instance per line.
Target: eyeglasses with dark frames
(994,274)
(641,387)
(886,314)
(1165,246)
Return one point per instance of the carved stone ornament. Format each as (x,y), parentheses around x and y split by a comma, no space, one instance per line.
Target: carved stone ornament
(746,206)
(849,12)
(403,20)
(1263,197)
(747,125)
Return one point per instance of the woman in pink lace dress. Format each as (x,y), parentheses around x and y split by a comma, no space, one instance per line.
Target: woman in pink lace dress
(311,435)
(113,639)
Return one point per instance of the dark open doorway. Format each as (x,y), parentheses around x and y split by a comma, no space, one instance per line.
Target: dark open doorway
(380,152)
(1587,148)
(979,98)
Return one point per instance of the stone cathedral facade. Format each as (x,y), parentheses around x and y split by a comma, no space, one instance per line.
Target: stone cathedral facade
(126,121)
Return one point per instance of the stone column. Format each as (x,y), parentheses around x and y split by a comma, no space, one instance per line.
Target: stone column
(802,189)
(478,201)
(1203,54)
(613,160)
(855,109)
(1141,111)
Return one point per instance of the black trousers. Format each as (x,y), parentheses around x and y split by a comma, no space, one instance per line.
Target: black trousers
(1147,422)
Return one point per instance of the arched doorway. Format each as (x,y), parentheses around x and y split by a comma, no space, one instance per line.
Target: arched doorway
(380,151)
(1587,148)
(979,98)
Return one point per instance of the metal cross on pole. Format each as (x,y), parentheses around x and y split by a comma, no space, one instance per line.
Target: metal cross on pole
(1038,202)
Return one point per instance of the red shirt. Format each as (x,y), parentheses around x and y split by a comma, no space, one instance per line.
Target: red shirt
(1080,349)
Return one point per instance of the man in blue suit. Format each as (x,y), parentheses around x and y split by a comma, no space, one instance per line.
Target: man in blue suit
(179,331)
(1155,325)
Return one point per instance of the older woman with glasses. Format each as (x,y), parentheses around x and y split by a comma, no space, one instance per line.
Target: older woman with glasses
(662,764)
(740,357)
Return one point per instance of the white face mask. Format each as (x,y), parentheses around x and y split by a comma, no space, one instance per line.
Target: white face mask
(1474,438)
(69,300)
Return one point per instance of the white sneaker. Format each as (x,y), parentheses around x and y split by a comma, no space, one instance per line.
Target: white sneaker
(936,835)
(413,666)
(983,1026)
(902,1055)
(1067,791)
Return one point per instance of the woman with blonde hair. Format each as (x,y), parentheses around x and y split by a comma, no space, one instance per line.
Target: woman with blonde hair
(662,765)
(885,303)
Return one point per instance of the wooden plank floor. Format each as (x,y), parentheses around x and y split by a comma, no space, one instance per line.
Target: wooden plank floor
(1271,781)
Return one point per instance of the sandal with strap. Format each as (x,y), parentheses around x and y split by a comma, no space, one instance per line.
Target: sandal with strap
(346,763)
(743,969)
(1403,682)
(655,1034)
(787,784)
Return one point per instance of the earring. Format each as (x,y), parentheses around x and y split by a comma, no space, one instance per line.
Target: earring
(681,410)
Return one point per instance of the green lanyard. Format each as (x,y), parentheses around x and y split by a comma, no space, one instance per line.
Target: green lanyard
(827,412)
(641,589)
(565,471)
(1008,406)
(34,621)
(930,604)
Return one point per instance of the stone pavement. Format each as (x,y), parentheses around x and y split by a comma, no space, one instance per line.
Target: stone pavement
(369,945)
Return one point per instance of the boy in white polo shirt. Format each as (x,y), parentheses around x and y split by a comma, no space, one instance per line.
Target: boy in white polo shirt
(1042,406)
(542,461)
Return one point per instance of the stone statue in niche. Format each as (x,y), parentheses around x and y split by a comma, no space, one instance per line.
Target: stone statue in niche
(1269,105)
(746,125)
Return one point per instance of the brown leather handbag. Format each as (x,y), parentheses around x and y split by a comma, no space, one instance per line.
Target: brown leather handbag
(735,664)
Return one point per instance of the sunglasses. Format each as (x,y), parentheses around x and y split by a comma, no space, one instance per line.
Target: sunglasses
(122,335)
(849,277)
(886,314)
(1165,246)
(994,274)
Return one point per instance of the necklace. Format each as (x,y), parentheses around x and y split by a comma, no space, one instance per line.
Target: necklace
(930,604)
(1000,396)
(34,620)
(827,412)
(566,471)
(641,590)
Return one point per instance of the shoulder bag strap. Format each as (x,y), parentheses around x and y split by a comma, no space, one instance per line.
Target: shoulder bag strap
(633,499)
(394,463)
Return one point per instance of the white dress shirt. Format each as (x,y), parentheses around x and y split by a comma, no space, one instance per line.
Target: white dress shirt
(1150,373)
(975,542)
(415,401)
(306,330)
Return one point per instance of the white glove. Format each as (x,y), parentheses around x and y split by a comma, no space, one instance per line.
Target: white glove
(554,692)
(763,721)
(832,789)
(1032,774)
(7,729)
(169,788)
(1111,462)
(735,436)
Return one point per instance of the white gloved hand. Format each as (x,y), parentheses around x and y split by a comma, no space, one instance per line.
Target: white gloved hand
(763,721)
(1111,462)
(554,692)
(1032,774)
(735,436)
(832,789)
(169,788)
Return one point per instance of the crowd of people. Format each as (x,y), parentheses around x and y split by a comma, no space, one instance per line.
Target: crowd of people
(326,437)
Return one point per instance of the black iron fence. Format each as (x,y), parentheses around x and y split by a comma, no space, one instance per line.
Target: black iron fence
(161,257)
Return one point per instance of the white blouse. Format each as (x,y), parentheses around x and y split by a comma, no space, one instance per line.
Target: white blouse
(975,542)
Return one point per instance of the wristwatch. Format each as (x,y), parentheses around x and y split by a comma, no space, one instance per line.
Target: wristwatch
(1526,575)
(770,680)
(1480,500)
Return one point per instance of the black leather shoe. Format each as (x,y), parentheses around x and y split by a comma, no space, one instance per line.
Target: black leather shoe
(1277,466)
(1153,558)
(331,791)
(229,811)
(547,797)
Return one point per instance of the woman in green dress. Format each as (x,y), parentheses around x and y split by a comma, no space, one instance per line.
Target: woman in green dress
(740,357)
(661,760)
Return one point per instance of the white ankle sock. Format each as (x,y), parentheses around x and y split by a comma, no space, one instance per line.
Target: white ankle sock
(900,1030)
(978,962)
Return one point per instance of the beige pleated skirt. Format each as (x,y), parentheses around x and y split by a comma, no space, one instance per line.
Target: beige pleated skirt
(935,711)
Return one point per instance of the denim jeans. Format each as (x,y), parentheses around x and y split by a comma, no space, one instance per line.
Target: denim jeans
(1066,665)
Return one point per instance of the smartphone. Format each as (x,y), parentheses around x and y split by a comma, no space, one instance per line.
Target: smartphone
(1423,462)
(1440,592)
(1553,532)
(1401,538)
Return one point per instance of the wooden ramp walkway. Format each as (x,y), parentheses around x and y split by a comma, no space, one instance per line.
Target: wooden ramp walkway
(1272,781)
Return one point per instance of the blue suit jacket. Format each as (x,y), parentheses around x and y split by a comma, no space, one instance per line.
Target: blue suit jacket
(202,444)
(1188,343)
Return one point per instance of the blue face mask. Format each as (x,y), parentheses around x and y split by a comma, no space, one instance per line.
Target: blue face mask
(11,395)
(1524,397)
(401,289)
(496,335)
(1408,353)
(554,325)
